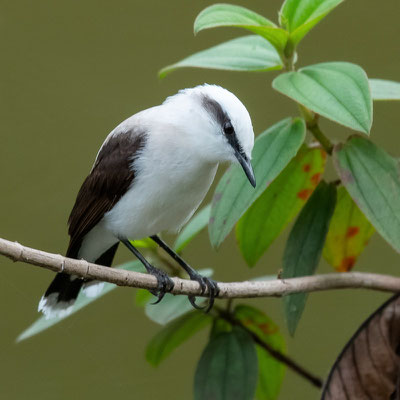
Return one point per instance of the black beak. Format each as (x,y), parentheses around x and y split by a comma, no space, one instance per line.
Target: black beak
(247,168)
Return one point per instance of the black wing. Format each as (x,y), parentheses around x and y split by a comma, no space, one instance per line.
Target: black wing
(110,178)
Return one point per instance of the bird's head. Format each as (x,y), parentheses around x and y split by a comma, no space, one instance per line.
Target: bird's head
(218,124)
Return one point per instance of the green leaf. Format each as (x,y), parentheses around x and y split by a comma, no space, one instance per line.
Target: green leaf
(304,246)
(195,226)
(220,325)
(372,178)
(227,368)
(173,307)
(261,325)
(300,16)
(82,301)
(143,297)
(349,233)
(279,204)
(337,90)
(384,90)
(174,334)
(270,375)
(273,150)
(270,371)
(248,53)
(219,15)
(145,243)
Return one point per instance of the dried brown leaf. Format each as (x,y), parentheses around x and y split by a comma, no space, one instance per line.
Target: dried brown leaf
(368,367)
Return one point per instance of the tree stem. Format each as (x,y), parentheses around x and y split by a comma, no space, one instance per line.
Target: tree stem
(311,119)
(319,135)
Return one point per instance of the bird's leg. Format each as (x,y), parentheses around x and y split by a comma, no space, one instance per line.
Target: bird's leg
(204,282)
(164,282)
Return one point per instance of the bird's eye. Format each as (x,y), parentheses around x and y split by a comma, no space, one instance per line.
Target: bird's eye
(228,128)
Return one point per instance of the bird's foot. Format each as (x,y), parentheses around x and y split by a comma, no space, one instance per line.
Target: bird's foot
(164,283)
(205,283)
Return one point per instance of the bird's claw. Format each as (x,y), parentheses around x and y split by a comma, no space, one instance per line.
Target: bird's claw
(205,283)
(164,285)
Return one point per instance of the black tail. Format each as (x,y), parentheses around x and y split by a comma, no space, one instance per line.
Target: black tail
(64,289)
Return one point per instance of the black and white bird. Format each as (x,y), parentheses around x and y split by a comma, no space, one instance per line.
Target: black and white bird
(150,175)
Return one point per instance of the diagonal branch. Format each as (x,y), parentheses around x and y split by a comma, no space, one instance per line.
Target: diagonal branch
(247,289)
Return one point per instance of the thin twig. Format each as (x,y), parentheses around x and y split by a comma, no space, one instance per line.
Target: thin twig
(247,289)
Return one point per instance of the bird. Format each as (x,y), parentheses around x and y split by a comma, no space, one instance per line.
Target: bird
(150,175)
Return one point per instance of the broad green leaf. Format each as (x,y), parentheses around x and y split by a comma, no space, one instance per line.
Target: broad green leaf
(219,15)
(260,324)
(273,150)
(195,225)
(172,307)
(337,90)
(145,243)
(279,204)
(227,368)
(270,375)
(384,90)
(372,178)
(220,325)
(304,246)
(82,301)
(174,334)
(349,233)
(248,53)
(300,16)
(143,297)
(270,371)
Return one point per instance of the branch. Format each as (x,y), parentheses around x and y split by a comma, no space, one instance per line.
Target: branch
(247,289)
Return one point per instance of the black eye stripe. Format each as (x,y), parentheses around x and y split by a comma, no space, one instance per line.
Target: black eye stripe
(215,109)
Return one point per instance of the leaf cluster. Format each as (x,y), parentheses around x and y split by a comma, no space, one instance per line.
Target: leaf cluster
(334,219)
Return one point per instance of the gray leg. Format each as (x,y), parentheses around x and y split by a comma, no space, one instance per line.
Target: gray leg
(164,282)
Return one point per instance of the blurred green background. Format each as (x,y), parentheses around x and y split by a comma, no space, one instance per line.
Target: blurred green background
(70,72)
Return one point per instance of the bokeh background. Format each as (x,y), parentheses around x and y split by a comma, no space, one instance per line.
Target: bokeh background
(70,72)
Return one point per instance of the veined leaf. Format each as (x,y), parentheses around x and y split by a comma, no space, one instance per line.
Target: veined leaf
(248,53)
(273,150)
(219,15)
(384,90)
(337,90)
(372,178)
(270,371)
(227,368)
(368,366)
(304,246)
(172,307)
(299,16)
(82,301)
(174,334)
(349,233)
(192,228)
(279,204)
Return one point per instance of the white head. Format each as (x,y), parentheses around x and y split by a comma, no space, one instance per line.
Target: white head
(218,123)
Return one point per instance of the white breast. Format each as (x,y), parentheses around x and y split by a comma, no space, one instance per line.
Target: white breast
(170,183)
